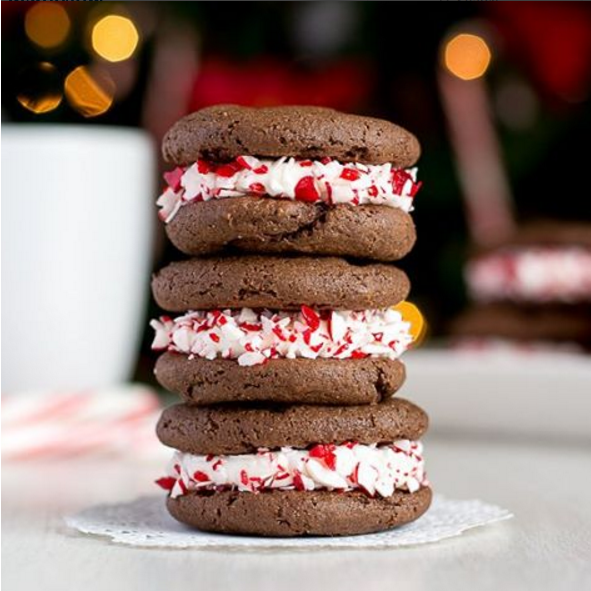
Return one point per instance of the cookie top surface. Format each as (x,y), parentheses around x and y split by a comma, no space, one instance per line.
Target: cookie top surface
(277,283)
(223,132)
(244,429)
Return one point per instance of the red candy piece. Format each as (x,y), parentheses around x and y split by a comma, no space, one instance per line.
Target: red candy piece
(415,188)
(262,169)
(214,337)
(228,170)
(244,477)
(256,188)
(166,483)
(173,178)
(305,163)
(399,178)
(200,476)
(241,160)
(298,482)
(305,190)
(358,355)
(350,174)
(312,319)
(325,453)
(203,167)
(251,327)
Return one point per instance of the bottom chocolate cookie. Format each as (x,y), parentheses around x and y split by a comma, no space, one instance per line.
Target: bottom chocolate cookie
(298,513)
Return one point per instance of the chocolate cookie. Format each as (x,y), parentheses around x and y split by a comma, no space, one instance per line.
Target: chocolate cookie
(235,429)
(327,381)
(546,233)
(294,513)
(223,132)
(544,322)
(254,224)
(277,283)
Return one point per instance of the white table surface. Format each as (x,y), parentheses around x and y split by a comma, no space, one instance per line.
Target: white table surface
(546,546)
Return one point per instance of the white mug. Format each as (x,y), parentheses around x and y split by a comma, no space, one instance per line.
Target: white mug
(77,221)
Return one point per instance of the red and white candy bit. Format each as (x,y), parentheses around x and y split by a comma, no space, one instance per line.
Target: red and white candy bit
(534,274)
(48,425)
(374,469)
(255,337)
(323,180)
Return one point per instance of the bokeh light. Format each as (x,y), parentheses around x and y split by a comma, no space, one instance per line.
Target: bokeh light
(39,88)
(114,38)
(47,24)
(89,90)
(467,56)
(418,325)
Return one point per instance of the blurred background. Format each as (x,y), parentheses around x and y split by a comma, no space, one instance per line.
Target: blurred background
(499,94)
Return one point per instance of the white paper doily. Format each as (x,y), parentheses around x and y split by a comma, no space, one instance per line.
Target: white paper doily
(146,522)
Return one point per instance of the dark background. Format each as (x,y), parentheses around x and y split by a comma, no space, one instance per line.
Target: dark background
(375,58)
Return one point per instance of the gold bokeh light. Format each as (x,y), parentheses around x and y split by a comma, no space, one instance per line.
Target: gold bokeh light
(89,92)
(467,56)
(47,24)
(39,88)
(114,38)
(418,326)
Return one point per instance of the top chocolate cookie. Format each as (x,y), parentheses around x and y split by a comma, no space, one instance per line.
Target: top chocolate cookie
(224,132)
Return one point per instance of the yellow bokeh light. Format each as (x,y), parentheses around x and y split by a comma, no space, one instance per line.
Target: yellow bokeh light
(115,38)
(47,24)
(418,326)
(467,56)
(90,93)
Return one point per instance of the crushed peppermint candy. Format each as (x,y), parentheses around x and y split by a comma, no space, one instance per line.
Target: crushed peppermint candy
(253,337)
(325,180)
(536,274)
(373,469)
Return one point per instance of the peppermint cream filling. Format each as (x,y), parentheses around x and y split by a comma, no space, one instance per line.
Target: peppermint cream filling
(325,180)
(374,469)
(253,337)
(537,274)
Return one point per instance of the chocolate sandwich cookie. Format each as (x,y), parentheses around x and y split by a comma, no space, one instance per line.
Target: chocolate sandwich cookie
(277,283)
(259,224)
(280,381)
(295,513)
(539,323)
(223,132)
(298,470)
(235,429)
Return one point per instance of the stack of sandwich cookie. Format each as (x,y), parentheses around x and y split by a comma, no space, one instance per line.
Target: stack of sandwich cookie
(287,356)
